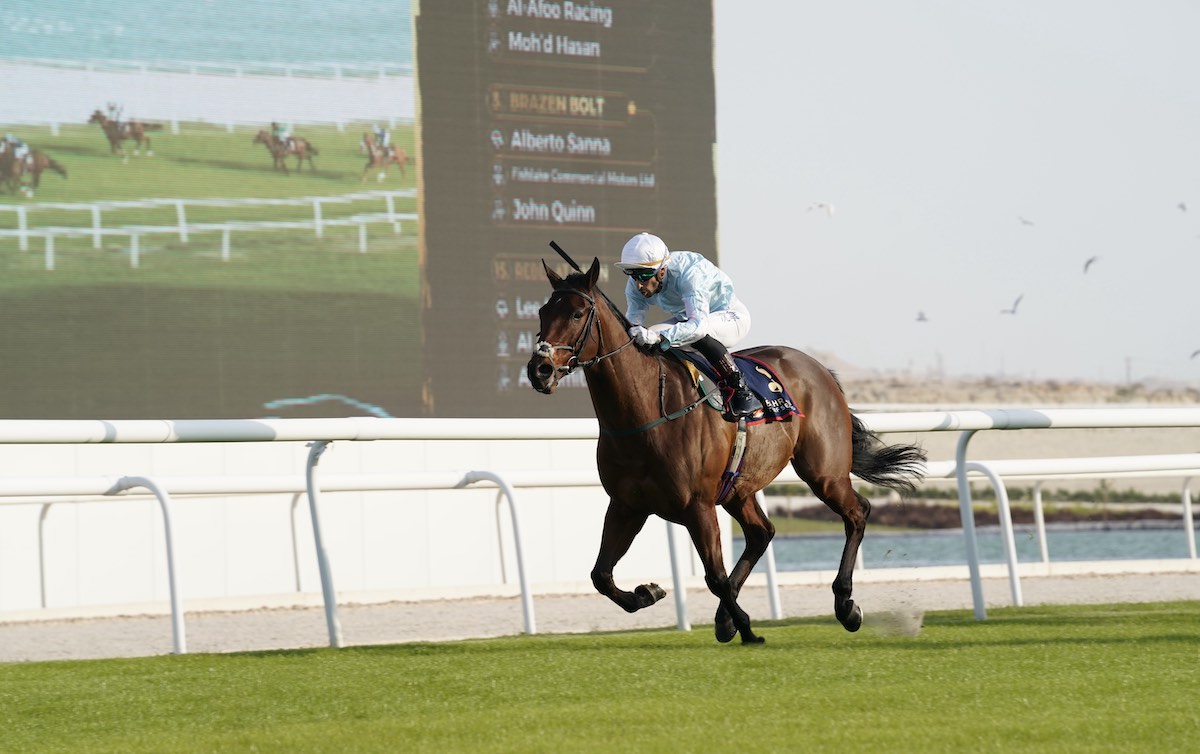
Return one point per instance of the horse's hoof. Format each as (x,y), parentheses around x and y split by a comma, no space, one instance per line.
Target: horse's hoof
(648,594)
(854,620)
(725,630)
(752,638)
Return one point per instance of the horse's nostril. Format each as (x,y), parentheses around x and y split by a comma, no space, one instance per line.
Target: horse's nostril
(544,370)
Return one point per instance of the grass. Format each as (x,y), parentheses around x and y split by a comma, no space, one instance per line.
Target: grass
(188,333)
(201,162)
(1078,678)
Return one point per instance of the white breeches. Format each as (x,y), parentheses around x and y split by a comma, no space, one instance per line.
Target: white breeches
(729,326)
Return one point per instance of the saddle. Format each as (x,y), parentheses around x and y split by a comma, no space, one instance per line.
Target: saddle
(760,378)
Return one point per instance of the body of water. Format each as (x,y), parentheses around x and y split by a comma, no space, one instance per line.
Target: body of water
(227,31)
(820,552)
(167,36)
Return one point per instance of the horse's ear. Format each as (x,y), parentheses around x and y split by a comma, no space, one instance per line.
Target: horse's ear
(593,273)
(554,278)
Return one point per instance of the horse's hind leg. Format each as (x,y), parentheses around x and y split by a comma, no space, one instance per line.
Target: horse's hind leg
(621,525)
(758,532)
(839,494)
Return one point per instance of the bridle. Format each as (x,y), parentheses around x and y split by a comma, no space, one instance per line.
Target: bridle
(546,349)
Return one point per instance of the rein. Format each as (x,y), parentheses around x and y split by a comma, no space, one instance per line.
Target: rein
(546,350)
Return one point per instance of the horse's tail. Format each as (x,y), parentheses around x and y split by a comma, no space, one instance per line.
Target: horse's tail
(56,167)
(897,467)
(152,126)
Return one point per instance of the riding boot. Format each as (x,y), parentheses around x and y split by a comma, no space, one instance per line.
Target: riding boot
(739,401)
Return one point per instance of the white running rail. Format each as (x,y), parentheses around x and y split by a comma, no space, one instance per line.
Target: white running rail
(24,230)
(320,432)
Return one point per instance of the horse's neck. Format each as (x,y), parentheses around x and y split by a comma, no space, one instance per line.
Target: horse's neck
(626,386)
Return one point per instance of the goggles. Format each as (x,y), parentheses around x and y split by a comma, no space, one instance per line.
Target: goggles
(642,275)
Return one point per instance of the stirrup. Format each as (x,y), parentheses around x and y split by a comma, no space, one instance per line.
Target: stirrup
(741,404)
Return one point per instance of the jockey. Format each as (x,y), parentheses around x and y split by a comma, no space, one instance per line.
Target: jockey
(282,133)
(19,149)
(383,138)
(114,114)
(706,316)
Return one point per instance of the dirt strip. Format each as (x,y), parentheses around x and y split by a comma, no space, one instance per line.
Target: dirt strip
(445,620)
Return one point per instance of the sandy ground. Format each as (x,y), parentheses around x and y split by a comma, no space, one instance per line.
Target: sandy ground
(885,603)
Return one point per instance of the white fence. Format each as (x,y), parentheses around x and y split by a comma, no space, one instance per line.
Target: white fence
(319,432)
(183,228)
(332,70)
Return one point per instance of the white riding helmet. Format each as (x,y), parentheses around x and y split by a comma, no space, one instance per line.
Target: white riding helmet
(644,251)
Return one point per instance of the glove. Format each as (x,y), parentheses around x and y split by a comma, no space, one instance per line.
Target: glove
(643,336)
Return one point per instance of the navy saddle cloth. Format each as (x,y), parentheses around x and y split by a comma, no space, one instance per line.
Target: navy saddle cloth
(760,378)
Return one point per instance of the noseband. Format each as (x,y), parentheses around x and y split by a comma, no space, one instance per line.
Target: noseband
(546,350)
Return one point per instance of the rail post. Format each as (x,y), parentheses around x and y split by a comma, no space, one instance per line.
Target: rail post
(97,240)
(332,623)
(968,522)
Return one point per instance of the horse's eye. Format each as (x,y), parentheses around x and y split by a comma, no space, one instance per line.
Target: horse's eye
(577,315)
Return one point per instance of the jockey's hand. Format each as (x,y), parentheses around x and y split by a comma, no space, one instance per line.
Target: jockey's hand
(643,336)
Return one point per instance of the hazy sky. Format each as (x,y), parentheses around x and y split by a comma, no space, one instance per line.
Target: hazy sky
(973,152)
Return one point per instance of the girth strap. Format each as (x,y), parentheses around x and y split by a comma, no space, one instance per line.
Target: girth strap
(734,469)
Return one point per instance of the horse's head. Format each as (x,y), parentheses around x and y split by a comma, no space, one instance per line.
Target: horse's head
(565,321)
(97,117)
(262,138)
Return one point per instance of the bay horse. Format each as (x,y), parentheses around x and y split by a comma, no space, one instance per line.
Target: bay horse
(37,163)
(671,464)
(117,133)
(13,169)
(300,147)
(381,158)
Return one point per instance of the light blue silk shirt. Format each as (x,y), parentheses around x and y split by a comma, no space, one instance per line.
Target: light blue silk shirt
(693,288)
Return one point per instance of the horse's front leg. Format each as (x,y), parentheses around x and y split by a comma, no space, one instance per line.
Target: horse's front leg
(706,535)
(758,532)
(621,525)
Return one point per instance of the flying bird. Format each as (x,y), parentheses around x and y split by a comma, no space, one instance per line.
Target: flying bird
(1088,264)
(921,317)
(1025,221)
(1013,310)
(1195,353)
(829,209)
(1182,206)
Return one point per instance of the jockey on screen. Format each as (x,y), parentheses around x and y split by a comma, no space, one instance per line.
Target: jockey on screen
(706,316)
(282,133)
(19,149)
(383,138)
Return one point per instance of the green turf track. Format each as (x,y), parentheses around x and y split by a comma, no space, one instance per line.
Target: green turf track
(188,333)
(207,162)
(1046,679)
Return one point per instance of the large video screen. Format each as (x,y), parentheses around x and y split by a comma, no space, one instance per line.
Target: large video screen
(576,122)
(199,219)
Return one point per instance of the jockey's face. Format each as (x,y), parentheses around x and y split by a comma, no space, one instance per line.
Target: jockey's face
(650,287)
